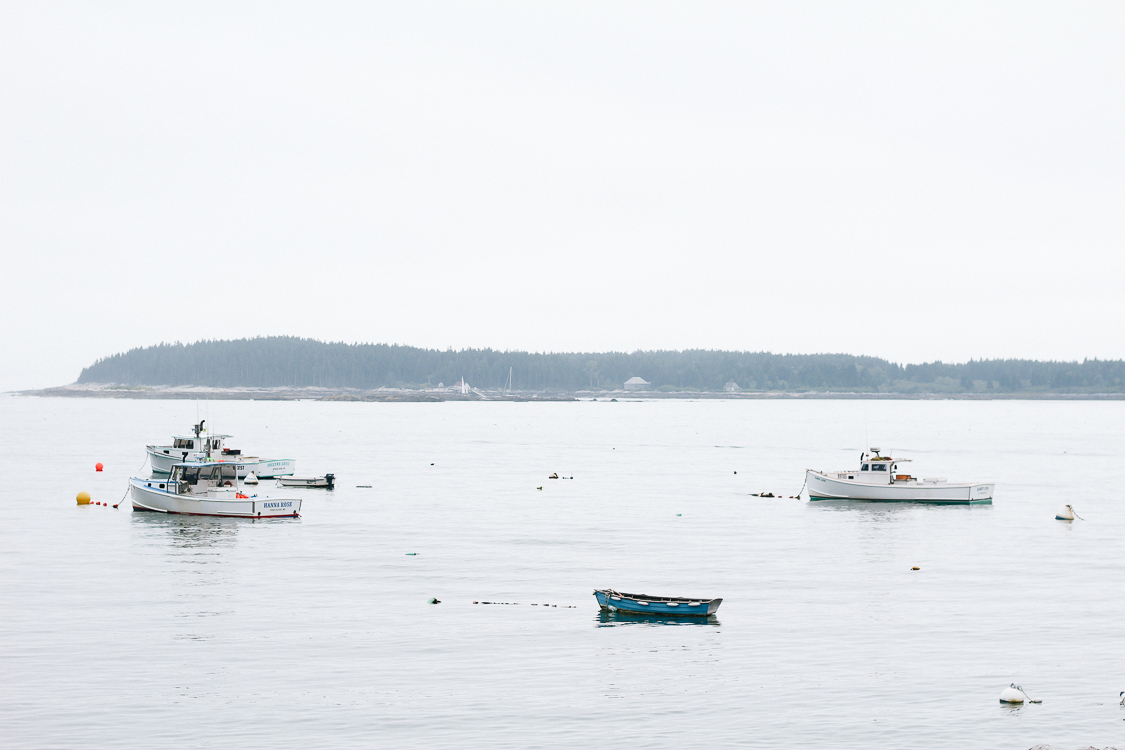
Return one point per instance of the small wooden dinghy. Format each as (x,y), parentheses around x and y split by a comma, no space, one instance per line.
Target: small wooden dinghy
(665,606)
(328,481)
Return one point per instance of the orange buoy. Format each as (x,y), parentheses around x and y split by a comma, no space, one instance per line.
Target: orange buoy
(83,498)
(98,466)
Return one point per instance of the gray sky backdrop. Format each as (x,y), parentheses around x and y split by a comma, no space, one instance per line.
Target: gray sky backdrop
(916,181)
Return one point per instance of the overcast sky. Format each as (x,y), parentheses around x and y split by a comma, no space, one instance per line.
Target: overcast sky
(915,181)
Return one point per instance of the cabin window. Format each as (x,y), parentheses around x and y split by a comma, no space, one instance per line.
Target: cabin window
(866,468)
(181,443)
(191,475)
(878,467)
(215,445)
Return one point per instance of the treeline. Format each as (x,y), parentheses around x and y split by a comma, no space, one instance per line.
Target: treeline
(295,362)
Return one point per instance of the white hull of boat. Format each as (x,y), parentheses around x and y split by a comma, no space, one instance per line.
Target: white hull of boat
(162,459)
(823,487)
(153,495)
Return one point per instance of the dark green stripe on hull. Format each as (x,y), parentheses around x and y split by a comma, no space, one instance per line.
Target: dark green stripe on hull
(986,501)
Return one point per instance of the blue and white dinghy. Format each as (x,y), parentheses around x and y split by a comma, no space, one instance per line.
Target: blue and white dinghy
(665,606)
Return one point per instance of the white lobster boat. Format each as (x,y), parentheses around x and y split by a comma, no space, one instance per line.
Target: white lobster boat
(206,489)
(878,479)
(200,446)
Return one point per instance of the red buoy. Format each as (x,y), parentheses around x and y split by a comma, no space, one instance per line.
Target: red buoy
(98,467)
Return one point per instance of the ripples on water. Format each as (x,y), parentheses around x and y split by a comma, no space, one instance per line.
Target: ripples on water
(139,630)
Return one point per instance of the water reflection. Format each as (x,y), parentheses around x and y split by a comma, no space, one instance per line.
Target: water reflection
(882,509)
(606,619)
(186,532)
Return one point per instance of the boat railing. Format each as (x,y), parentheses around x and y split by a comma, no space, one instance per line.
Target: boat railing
(649,598)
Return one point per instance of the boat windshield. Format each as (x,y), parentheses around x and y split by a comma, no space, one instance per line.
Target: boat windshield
(183,443)
(189,474)
(226,474)
(866,467)
(878,467)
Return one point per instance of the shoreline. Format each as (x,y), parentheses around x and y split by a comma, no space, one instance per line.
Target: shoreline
(314,393)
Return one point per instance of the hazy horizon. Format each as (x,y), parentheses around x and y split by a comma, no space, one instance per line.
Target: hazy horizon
(562,351)
(548,351)
(301,362)
(915,183)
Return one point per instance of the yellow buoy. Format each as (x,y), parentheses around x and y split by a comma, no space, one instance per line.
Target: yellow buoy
(83,498)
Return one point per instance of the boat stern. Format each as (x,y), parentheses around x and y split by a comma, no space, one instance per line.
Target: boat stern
(981,493)
(272,469)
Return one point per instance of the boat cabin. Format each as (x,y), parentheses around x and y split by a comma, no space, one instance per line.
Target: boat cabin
(875,468)
(200,443)
(196,477)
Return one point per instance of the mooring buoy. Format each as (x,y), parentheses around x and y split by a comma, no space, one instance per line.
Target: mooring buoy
(1015,695)
(1012,694)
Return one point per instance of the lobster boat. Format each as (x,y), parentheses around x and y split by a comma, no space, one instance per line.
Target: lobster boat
(879,479)
(207,489)
(665,606)
(200,446)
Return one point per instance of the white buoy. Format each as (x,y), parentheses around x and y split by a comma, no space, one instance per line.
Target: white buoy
(1066,514)
(1013,694)
(250,479)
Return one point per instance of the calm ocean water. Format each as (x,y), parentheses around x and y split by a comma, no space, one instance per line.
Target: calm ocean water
(137,631)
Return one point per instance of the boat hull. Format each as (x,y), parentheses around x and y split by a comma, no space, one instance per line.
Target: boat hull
(643,605)
(322,482)
(160,497)
(823,487)
(163,459)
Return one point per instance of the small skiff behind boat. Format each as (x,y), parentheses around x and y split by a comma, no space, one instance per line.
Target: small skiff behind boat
(665,606)
(207,489)
(328,481)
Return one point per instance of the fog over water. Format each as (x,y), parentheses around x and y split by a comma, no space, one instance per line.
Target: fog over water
(903,181)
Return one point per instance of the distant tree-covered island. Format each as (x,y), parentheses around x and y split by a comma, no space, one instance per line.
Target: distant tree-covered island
(283,361)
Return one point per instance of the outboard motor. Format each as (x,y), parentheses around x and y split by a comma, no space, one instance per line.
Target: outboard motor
(331,481)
